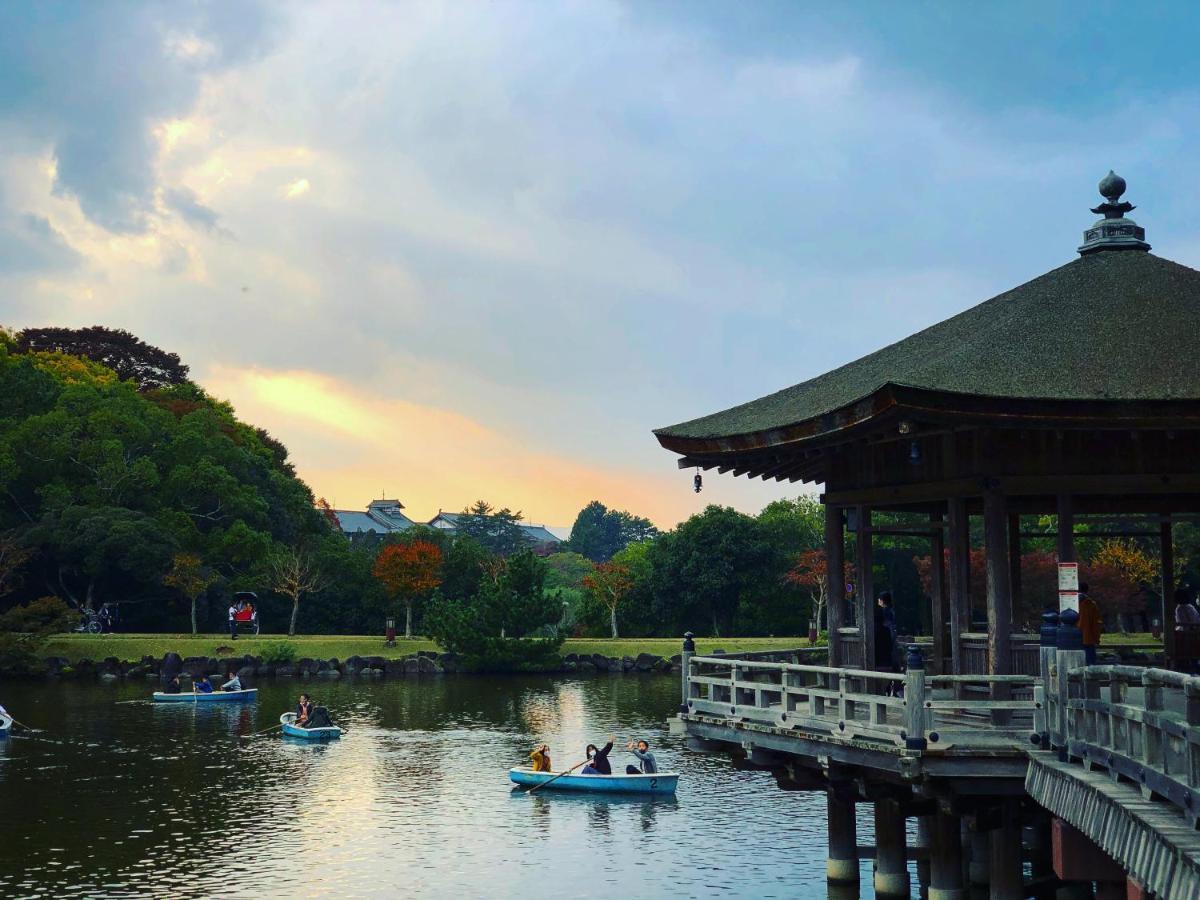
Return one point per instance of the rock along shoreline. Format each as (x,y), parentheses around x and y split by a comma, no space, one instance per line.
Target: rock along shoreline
(425,663)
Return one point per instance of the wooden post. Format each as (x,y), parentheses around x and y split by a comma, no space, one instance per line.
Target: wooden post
(925,842)
(1066,528)
(891,870)
(980,867)
(999,594)
(937,589)
(1166,543)
(842,865)
(685,658)
(1006,853)
(1014,559)
(946,858)
(835,553)
(959,579)
(864,596)
(914,701)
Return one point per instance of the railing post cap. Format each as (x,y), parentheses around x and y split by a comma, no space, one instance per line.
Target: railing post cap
(689,645)
(1049,630)
(916,659)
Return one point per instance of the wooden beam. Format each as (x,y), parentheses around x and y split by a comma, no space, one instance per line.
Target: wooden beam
(835,557)
(959,579)
(1022,485)
(937,591)
(864,596)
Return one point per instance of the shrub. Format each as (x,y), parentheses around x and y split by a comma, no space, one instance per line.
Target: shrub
(278,653)
(25,629)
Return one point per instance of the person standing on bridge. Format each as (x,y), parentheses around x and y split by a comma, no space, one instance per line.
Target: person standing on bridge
(1090,624)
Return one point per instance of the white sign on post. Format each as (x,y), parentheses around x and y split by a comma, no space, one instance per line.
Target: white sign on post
(1068,600)
(1068,576)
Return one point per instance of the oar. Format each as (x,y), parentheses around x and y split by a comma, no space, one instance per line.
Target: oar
(246,737)
(26,727)
(559,775)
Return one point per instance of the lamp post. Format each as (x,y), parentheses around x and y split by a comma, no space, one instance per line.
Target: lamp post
(390,633)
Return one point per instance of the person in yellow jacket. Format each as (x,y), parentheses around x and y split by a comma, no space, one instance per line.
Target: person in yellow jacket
(1090,625)
(541,758)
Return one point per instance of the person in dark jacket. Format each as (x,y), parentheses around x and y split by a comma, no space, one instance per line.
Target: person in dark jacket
(304,711)
(173,686)
(885,634)
(203,686)
(598,763)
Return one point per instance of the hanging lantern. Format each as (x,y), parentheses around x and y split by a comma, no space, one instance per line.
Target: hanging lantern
(698,482)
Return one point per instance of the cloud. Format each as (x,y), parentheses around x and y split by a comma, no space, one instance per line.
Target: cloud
(351,442)
(90,80)
(297,188)
(185,202)
(562,223)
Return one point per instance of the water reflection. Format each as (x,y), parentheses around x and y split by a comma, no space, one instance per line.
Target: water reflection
(123,799)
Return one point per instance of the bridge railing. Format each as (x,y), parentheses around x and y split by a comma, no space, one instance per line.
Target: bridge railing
(905,710)
(1141,725)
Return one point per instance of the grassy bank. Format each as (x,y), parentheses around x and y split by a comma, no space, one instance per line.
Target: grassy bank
(130,647)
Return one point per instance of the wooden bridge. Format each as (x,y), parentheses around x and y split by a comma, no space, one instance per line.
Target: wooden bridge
(1085,773)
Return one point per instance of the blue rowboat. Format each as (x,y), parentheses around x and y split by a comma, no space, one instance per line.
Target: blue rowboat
(215,697)
(5,726)
(291,729)
(661,783)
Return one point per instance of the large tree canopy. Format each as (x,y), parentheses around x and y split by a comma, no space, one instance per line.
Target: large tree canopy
(599,532)
(132,359)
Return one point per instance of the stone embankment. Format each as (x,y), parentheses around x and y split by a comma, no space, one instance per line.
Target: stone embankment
(425,663)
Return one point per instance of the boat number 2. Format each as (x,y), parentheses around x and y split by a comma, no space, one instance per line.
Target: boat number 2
(653,783)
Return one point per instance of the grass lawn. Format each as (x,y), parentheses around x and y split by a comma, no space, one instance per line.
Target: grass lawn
(135,646)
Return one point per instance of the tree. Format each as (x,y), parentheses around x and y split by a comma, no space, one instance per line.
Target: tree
(408,572)
(498,530)
(494,629)
(294,573)
(704,568)
(14,553)
(132,359)
(566,570)
(812,571)
(599,532)
(609,585)
(191,578)
(24,630)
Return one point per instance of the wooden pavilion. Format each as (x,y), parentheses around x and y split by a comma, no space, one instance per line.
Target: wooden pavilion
(1075,394)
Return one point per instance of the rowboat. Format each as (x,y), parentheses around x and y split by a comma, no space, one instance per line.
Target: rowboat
(5,726)
(215,697)
(660,783)
(291,729)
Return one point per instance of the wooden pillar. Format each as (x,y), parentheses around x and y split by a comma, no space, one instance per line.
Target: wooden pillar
(1007,882)
(937,601)
(979,870)
(842,865)
(999,588)
(864,595)
(891,869)
(959,579)
(924,842)
(1166,548)
(946,858)
(1066,528)
(835,553)
(1014,559)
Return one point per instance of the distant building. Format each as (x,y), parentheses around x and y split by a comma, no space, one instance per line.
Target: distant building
(541,539)
(382,517)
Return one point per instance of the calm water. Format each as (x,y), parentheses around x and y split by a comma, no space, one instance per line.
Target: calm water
(122,798)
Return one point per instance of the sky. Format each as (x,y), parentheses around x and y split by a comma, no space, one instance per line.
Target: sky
(452,251)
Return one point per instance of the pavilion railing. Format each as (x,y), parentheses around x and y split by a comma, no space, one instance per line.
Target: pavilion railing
(908,710)
(1141,725)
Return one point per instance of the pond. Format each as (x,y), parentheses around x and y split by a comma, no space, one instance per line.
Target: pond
(120,797)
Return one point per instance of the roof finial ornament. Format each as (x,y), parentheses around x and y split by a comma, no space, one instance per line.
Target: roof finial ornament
(1114,231)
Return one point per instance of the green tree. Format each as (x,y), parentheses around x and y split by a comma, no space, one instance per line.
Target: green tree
(600,532)
(704,569)
(566,570)
(498,530)
(191,578)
